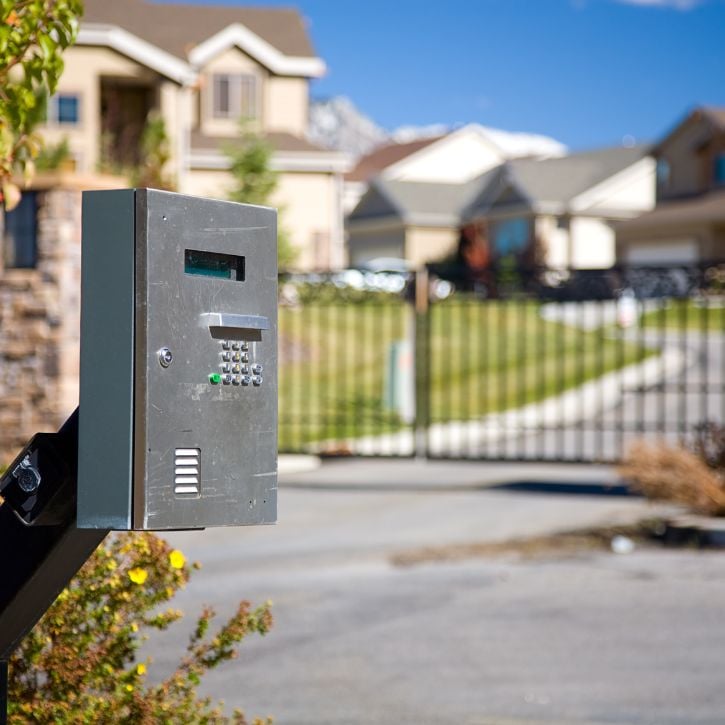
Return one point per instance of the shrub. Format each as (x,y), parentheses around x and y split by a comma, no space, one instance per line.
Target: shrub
(79,663)
(694,478)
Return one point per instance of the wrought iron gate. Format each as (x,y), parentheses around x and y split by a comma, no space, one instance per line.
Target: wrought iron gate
(534,365)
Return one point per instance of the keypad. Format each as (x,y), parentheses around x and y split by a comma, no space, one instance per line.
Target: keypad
(234,366)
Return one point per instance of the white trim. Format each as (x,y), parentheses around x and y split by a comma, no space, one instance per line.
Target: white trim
(283,161)
(139,50)
(259,49)
(472,129)
(549,208)
(310,161)
(426,219)
(375,224)
(389,221)
(641,170)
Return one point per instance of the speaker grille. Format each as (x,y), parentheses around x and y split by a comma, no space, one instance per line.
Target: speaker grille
(187,471)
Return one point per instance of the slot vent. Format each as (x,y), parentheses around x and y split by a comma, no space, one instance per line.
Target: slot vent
(187,471)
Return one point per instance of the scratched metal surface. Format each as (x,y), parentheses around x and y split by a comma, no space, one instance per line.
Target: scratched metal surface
(235,427)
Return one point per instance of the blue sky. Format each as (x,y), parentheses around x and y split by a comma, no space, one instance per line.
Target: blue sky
(588,72)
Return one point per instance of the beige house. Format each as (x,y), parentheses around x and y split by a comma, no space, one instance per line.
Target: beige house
(456,157)
(202,68)
(688,223)
(413,220)
(562,211)
(559,211)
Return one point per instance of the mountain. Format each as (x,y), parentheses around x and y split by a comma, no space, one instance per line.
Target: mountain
(335,123)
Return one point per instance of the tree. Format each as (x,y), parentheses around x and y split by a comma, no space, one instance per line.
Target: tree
(155,155)
(255,182)
(33,36)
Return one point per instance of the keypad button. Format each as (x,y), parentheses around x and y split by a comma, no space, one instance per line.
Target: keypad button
(226,356)
(227,379)
(236,369)
(245,346)
(245,357)
(226,344)
(246,380)
(245,369)
(235,346)
(257,369)
(236,357)
(236,380)
(257,380)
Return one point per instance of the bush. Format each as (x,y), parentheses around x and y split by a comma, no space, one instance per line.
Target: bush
(79,663)
(694,478)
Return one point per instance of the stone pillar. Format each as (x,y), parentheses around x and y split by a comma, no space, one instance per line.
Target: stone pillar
(40,319)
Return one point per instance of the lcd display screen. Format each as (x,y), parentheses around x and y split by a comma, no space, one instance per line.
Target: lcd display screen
(214,264)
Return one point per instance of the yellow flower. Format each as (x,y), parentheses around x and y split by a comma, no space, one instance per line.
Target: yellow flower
(138,575)
(177,559)
(129,688)
(134,627)
(141,668)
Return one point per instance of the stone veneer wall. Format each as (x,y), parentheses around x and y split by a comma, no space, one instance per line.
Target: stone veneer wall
(40,318)
(39,327)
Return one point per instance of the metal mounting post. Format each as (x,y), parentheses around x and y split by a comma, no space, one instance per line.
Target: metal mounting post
(43,547)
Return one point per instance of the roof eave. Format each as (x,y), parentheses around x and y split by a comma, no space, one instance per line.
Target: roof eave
(310,161)
(137,49)
(259,49)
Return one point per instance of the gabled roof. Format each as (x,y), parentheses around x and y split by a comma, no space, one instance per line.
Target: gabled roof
(502,144)
(716,116)
(712,117)
(415,202)
(383,156)
(191,33)
(557,180)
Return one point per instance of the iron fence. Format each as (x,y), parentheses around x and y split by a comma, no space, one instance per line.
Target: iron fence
(519,364)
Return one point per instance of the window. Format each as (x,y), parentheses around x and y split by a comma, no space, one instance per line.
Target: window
(720,169)
(511,236)
(64,109)
(21,233)
(234,96)
(664,172)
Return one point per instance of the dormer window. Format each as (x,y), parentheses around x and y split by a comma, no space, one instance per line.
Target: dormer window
(234,96)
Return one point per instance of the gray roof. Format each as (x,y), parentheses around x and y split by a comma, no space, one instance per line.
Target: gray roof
(178,27)
(534,182)
(417,202)
(556,180)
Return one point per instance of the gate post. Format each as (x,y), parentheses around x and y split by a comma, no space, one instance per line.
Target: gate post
(421,351)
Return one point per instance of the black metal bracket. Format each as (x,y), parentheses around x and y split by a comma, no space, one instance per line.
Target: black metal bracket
(42,547)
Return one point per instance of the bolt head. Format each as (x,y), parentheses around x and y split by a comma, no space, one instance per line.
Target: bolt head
(166,357)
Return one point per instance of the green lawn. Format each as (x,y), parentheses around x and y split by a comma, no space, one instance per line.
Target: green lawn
(484,358)
(687,315)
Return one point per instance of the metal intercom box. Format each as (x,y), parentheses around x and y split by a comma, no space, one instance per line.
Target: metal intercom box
(178,387)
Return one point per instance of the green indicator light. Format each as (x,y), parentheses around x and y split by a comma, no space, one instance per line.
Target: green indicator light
(215,378)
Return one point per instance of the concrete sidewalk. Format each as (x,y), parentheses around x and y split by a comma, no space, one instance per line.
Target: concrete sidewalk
(412,474)
(380,506)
